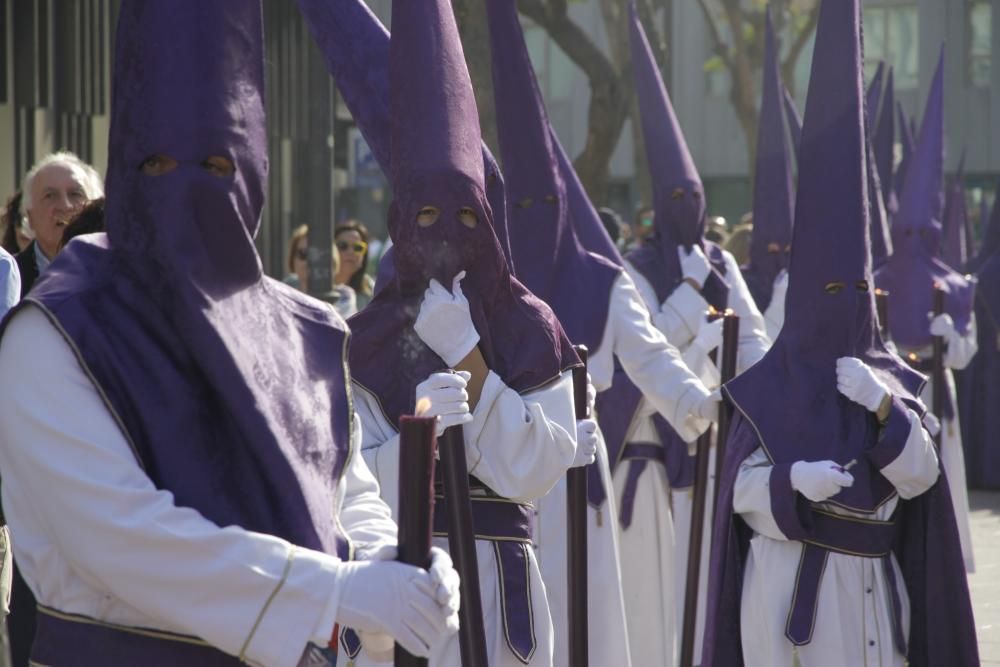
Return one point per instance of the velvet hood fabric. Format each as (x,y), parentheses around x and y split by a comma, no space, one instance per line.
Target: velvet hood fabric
(771,242)
(914,268)
(436,160)
(547,256)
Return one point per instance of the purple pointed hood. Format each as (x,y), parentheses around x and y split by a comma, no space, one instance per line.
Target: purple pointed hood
(436,164)
(547,256)
(881,237)
(914,269)
(770,245)
(953,248)
(355,46)
(875,90)
(158,111)
(678,194)
(909,145)
(791,395)
(209,364)
(794,120)
(883,128)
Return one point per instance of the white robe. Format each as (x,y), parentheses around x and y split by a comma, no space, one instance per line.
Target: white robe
(656,367)
(853,618)
(957,355)
(519,446)
(93,536)
(655,547)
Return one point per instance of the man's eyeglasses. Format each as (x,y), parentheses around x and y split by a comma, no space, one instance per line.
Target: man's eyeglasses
(360,247)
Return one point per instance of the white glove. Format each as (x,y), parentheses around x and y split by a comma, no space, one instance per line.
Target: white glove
(709,407)
(709,335)
(586,443)
(942,325)
(856,381)
(447,398)
(445,323)
(694,265)
(819,480)
(399,600)
(591,395)
(442,571)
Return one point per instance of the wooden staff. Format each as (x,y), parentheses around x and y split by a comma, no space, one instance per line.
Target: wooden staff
(462,545)
(937,369)
(730,347)
(699,501)
(416,503)
(576,531)
(882,308)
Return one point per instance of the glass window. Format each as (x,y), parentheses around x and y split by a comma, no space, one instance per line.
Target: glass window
(980,47)
(892,34)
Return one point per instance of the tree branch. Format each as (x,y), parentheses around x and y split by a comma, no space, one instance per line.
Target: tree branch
(720,46)
(795,50)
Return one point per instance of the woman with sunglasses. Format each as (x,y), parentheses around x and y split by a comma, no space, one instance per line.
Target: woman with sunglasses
(351,241)
(341,297)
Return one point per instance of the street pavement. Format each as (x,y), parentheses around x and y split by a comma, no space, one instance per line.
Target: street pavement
(985,583)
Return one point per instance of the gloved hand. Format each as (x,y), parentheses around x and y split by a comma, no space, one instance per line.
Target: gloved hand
(709,335)
(942,325)
(445,323)
(586,442)
(442,571)
(399,600)
(449,402)
(694,264)
(709,407)
(819,480)
(858,382)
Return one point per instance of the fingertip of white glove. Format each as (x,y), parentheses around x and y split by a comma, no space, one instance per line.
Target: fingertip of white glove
(465,375)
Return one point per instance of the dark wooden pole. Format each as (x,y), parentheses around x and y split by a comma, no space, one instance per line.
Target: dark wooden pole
(576,531)
(730,348)
(937,369)
(416,503)
(462,545)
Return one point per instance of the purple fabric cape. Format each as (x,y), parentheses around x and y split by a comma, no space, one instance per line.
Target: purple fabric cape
(547,257)
(773,197)
(788,403)
(436,160)
(231,388)
(911,273)
(678,194)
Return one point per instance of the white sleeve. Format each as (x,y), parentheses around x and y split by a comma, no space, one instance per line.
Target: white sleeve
(752,495)
(520,446)
(10,283)
(365,517)
(652,363)
(249,594)
(962,348)
(754,341)
(774,318)
(680,316)
(916,468)
(379,446)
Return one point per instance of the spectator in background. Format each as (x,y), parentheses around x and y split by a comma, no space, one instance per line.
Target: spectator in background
(351,240)
(642,227)
(55,190)
(341,296)
(715,230)
(739,240)
(10,282)
(90,220)
(16,235)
